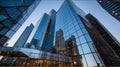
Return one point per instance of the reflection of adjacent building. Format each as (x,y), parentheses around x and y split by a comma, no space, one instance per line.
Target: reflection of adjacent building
(60,43)
(72,51)
(12,15)
(68,47)
(112,7)
(105,43)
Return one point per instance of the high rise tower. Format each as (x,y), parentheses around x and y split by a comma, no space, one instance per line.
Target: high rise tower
(78,39)
(49,35)
(112,7)
(13,14)
(68,20)
(24,36)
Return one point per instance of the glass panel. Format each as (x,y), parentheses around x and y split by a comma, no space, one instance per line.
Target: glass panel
(7,23)
(82,39)
(75,34)
(77,40)
(28,2)
(81,25)
(97,59)
(80,49)
(88,38)
(21,21)
(10,33)
(90,60)
(11,2)
(86,48)
(79,32)
(22,9)
(3,31)
(16,27)
(91,46)
(84,30)
(83,61)
(72,30)
(77,27)
(2,17)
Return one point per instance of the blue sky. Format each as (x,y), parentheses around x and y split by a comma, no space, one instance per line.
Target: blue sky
(88,6)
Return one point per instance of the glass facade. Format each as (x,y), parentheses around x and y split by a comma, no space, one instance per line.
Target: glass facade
(67,37)
(24,36)
(69,24)
(111,6)
(39,35)
(49,35)
(13,14)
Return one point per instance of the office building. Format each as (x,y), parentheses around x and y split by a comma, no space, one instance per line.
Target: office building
(79,40)
(24,36)
(69,22)
(107,46)
(112,7)
(39,35)
(49,35)
(13,14)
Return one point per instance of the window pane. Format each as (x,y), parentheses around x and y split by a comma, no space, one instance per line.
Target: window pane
(16,27)
(88,38)
(83,61)
(84,30)
(80,49)
(90,60)
(82,39)
(75,34)
(91,47)
(86,48)
(79,32)
(7,23)
(3,31)
(97,59)
(78,42)
(77,27)
(2,17)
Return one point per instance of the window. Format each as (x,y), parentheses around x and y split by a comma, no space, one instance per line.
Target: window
(88,38)
(86,48)
(3,31)
(97,59)
(84,61)
(84,30)
(79,32)
(82,39)
(7,23)
(80,49)
(91,46)
(90,60)
(77,27)
(2,17)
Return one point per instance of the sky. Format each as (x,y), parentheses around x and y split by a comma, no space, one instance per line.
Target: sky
(88,6)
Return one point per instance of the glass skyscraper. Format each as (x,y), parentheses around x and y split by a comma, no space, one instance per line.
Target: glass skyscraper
(70,23)
(68,37)
(47,44)
(13,14)
(112,7)
(24,36)
(39,35)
